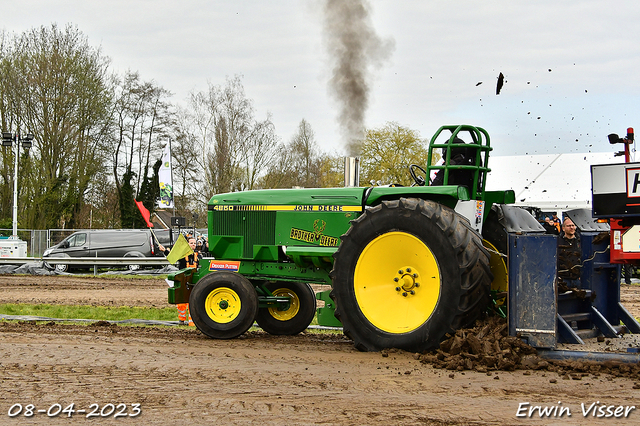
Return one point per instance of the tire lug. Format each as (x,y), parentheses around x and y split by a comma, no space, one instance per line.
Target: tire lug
(396,279)
(408,269)
(417,284)
(415,275)
(404,294)
(397,288)
(412,292)
(400,272)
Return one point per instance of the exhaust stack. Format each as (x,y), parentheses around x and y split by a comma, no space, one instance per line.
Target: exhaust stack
(351,171)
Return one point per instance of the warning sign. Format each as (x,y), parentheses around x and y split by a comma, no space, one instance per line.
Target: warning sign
(633,182)
(224,265)
(615,190)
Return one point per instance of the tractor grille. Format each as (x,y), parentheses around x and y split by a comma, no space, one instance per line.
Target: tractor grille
(258,228)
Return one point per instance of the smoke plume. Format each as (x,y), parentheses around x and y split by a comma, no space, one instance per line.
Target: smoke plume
(356,51)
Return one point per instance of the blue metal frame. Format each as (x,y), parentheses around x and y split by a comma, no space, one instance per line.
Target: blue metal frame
(541,316)
(532,291)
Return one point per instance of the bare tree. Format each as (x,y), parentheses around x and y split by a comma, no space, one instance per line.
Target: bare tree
(299,162)
(261,152)
(305,150)
(233,149)
(282,172)
(143,119)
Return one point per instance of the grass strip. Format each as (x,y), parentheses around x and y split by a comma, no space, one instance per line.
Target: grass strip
(106,313)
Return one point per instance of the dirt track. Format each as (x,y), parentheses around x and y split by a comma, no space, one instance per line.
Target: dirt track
(180,377)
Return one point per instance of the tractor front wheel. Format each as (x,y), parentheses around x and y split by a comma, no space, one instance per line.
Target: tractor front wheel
(292,317)
(223,305)
(408,272)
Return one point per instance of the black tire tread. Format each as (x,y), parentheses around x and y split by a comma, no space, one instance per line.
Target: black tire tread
(297,324)
(248,299)
(471,256)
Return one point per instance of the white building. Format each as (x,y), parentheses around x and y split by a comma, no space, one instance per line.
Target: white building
(551,182)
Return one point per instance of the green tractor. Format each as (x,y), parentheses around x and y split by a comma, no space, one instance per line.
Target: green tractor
(406,265)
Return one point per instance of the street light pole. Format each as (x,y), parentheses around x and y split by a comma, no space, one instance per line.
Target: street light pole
(14,236)
(7,140)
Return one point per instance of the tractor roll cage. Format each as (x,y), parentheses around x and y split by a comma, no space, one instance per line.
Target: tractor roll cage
(480,167)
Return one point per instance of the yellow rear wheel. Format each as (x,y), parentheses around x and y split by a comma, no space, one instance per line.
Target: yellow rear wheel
(495,239)
(499,269)
(406,273)
(397,282)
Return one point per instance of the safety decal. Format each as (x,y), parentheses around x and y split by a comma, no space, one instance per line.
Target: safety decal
(224,265)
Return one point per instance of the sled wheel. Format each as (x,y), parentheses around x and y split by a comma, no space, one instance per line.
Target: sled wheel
(223,305)
(406,273)
(288,318)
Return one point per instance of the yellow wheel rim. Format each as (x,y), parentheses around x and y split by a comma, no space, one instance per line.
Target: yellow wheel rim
(397,282)
(498,269)
(291,311)
(222,305)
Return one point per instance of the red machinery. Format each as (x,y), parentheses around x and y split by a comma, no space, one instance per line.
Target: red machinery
(616,198)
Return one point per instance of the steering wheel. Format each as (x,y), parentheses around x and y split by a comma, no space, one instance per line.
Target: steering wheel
(419,180)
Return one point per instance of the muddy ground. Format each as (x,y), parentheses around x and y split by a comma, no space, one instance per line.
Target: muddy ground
(177,376)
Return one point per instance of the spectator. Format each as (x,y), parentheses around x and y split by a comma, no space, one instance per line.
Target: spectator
(205,246)
(569,255)
(189,261)
(162,249)
(549,227)
(556,222)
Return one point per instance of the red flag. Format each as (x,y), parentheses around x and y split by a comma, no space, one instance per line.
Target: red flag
(145,213)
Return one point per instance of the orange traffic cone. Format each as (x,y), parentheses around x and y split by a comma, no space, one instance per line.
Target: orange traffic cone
(191,324)
(182,312)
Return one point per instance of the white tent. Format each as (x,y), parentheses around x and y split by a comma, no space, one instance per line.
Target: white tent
(551,182)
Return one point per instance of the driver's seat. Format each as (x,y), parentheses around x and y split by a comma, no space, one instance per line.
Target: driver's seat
(462,156)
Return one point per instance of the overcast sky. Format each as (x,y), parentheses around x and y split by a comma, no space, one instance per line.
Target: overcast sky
(571,67)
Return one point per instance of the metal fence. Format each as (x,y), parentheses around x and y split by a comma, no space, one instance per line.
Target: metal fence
(38,240)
